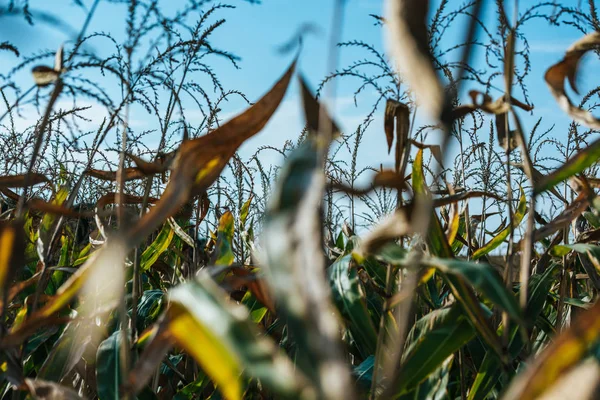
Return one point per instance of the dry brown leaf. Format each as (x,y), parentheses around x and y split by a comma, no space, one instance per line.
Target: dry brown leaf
(499,107)
(18,181)
(162,163)
(484,102)
(391,227)
(312,112)
(386,179)
(397,115)
(567,69)
(409,45)
(199,162)
(243,277)
(56,209)
(435,149)
(128,174)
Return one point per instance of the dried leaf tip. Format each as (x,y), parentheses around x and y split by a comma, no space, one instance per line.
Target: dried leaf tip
(567,69)
(408,41)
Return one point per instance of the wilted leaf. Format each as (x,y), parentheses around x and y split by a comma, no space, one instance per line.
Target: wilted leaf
(409,44)
(199,162)
(44,75)
(162,163)
(564,353)
(567,69)
(312,112)
(435,150)
(497,107)
(251,279)
(385,179)
(129,174)
(18,181)
(397,114)
(56,209)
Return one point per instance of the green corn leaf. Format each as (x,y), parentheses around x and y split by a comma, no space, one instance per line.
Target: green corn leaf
(501,237)
(433,339)
(350,300)
(484,278)
(108,367)
(157,248)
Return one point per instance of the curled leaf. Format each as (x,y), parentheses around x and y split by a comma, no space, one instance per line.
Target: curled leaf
(564,353)
(44,75)
(409,44)
(435,149)
(567,69)
(484,102)
(384,179)
(128,174)
(312,112)
(397,115)
(19,181)
(391,227)
(199,162)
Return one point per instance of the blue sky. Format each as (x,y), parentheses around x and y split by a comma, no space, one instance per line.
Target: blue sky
(254,32)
